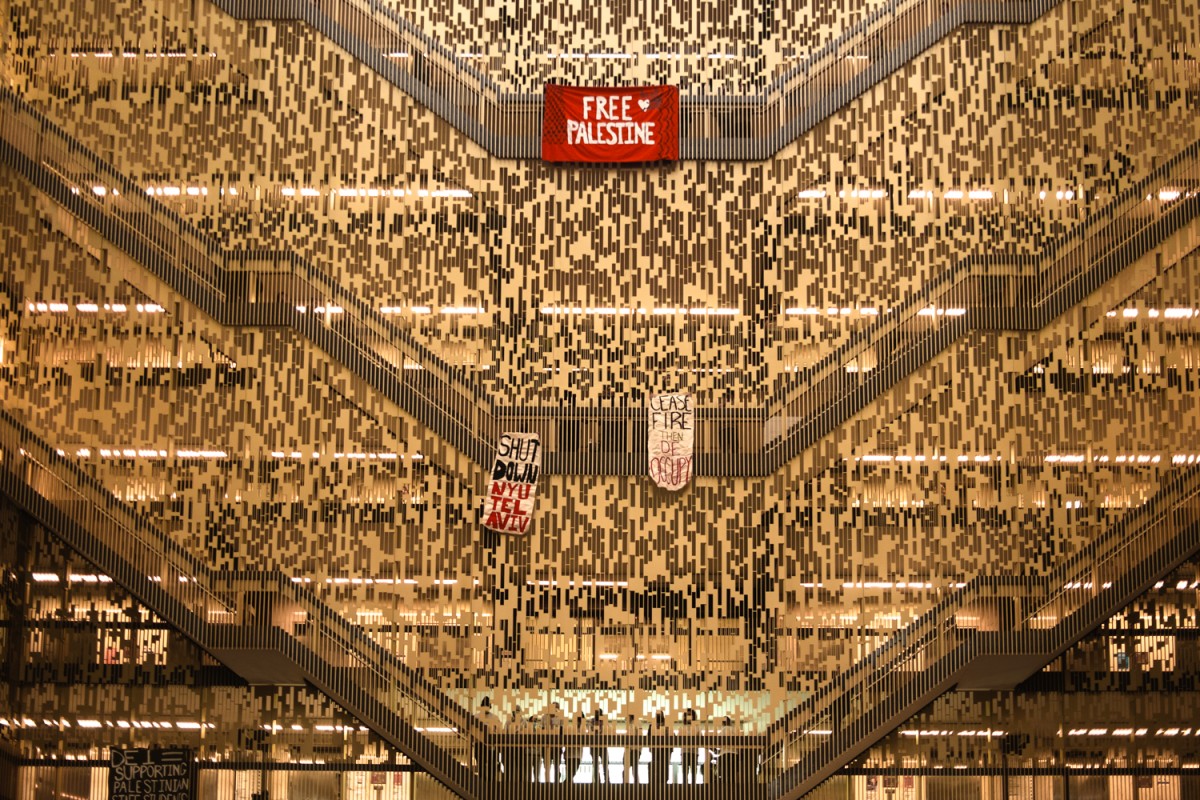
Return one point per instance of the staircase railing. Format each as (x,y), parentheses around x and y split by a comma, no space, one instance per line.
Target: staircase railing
(1035,617)
(259,288)
(990,616)
(970,296)
(210,607)
(255,288)
(741,127)
(251,612)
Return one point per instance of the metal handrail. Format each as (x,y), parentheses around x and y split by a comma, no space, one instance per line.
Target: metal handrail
(1055,286)
(507,123)
(923,658)
(217,609)
(898,648)
(452,404)
(192,263)
(37,138)
(1081,592)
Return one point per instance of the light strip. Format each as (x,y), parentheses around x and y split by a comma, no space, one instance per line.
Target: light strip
(91,308)
(695,311)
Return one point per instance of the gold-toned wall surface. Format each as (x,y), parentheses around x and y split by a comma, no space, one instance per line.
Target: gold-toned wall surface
(88,669)
(1003,454)
(1073,108)
(1123,697)
(724,48)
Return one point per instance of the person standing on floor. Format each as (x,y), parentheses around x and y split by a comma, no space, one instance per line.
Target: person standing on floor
(632,752)
(516,755)
(660,755)
(690,751)
(600,772)
(552,726)
(574,751)
(485,752)
(537,752)
(720,767)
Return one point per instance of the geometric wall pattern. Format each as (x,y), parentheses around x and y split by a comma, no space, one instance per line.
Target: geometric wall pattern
(1003,454)
(1063,112)
(982,470)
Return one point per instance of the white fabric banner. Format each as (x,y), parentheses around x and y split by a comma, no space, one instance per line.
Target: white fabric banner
(670,439)
(513,488)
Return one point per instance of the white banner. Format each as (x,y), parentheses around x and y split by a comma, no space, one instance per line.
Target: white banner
(513,488)
(670,439)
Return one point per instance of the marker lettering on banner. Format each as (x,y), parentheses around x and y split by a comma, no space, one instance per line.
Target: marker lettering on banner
(509,504)
(151,774)
(610,125)
(670,439)
(507,488)
(619,127)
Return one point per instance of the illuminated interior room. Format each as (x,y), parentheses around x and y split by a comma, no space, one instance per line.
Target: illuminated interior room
(468,400)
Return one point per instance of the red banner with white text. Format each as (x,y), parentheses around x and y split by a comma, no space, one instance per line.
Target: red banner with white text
(611,126)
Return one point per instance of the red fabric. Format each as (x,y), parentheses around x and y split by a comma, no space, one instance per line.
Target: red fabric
(611,126)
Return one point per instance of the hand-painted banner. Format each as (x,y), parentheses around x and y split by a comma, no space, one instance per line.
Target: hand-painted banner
(670,439)
(610,126)
(513,488)
(166,773)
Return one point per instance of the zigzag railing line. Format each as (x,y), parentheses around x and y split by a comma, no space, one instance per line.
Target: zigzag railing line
(814,401)
(268,289)
(741,127)
(1034,617)
(236,289)
(225,613)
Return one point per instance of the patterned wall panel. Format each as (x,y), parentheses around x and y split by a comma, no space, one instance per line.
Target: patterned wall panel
(1122,697)
(1059,125)
(732,580)
(1005,453)
(93,669)
(728,48)
(1088,705)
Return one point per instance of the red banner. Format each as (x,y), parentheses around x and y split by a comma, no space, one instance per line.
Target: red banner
(611,126)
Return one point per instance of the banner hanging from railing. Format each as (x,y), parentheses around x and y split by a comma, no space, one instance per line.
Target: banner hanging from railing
(670,439)
(610,126)
(513,488)
(142,773)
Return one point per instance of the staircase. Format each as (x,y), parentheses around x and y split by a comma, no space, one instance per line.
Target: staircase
(264,626)
(248,288)
(991,634)
(266,288)
(814,402)
(712,127)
